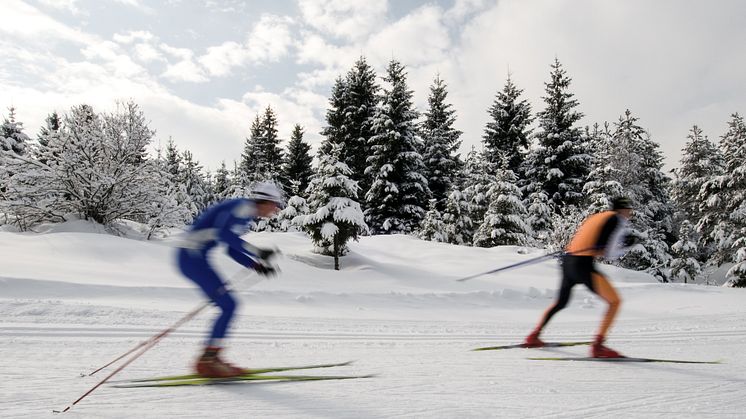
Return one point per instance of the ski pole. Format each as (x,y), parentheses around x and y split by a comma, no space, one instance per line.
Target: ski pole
(525,262)
(163,333)
(514,265)
(159,336)
(144,347)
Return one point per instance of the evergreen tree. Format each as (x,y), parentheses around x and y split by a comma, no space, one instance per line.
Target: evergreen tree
(335,128)
(252,158)
(701,161)
(335,216)
(505,220)
(506,136)
(193,180)
(273,155)
(173,160)
(298,163)
(560,164)
(457,225)
(631,166)
(221,186)
(432,227)
(49,137)
(478,180)
(684,265)
(359,111)
(441,141)
(539,217)
(399,191)
(292,216)
(12,137)
(724,203)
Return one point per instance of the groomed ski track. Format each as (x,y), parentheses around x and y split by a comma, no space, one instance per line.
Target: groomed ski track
(67,307)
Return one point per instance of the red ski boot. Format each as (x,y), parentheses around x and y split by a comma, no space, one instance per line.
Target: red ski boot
(533,341)
(598,350)
(210,365)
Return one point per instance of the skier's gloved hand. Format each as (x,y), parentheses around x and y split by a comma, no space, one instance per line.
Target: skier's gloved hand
(629,240)
(266,254)
(265,270)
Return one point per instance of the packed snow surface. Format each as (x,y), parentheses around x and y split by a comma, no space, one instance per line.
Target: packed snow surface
(73,298)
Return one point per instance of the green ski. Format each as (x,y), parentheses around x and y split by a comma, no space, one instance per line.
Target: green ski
(624,359)
(241,379)
(521,345)
(253,371)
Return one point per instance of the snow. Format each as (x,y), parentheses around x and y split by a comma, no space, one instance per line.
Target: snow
(74,298)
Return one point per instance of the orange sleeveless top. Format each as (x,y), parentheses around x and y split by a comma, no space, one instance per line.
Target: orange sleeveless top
(587,235)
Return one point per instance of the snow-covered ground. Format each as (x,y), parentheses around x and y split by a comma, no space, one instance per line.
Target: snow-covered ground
(72,299)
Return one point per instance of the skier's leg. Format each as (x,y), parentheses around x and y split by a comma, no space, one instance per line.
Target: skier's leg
(605,290)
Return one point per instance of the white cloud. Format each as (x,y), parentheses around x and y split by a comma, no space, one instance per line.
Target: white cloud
(419,37)
(268,41)
(350,19)
(132,36)
(69,5)
(147,53)
(24,21)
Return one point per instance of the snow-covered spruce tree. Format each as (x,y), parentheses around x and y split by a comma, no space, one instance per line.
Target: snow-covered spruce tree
(684,265)
(700,161)
(352,107)
(359,111)
(12,137)
(173,159)
(561,163)
(399,192)
(298,162)
(456,221)
(336,216)
(253,160)
(194,183)
(294,211)
(221,185)
(631,166)
(49,135)
(724,203)
(506,136)
(273,154)
(432,227)
(440,144)
(335,129)
(539,214)
(505,220)
(478,179)
(167,209)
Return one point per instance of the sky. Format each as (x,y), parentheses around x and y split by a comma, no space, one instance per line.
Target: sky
(202,70)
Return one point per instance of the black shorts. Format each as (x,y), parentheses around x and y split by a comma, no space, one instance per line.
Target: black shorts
(578,270)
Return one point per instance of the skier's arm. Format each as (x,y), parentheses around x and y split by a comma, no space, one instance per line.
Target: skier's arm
(236,219)
(616,248)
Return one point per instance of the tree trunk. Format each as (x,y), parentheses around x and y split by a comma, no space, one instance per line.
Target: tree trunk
(336,254)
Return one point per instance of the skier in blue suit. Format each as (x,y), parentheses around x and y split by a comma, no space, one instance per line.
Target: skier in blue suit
(224,223)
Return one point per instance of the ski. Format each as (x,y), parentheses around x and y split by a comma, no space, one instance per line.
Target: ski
(252,371)
(522,345)
(625,359)
(238,380)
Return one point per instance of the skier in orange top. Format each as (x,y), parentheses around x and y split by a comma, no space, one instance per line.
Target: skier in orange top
(600,235)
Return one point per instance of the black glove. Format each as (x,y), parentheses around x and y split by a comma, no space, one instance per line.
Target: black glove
(629,240)
(266,254)
(265,270)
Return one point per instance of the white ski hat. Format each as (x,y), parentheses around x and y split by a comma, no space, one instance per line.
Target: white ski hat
(267,191)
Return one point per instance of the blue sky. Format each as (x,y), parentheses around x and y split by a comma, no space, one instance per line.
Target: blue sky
(203,69)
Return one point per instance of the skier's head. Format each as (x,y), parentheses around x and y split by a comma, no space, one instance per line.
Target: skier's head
(622,205)
(268,198)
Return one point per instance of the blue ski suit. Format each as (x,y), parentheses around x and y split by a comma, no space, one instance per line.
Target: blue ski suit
(222,223)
